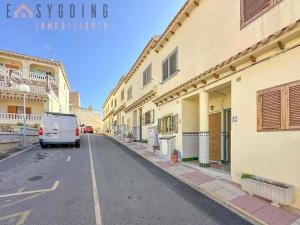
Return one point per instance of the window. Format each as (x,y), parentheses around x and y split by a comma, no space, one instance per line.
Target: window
(148,117)
(147,75)
(115,102)
(168,124)
(252,9)
(123,120)
(129,93)
(170,65)
(122,95)
(278,108)
(18,109)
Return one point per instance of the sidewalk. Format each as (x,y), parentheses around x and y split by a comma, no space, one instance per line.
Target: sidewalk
(220,189)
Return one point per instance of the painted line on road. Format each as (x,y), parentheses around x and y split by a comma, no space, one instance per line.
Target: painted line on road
(69,158)
(95,191)
(22,200)
(54,187)
(2,160)
(23,217)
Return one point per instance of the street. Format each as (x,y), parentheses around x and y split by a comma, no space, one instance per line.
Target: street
(102,182)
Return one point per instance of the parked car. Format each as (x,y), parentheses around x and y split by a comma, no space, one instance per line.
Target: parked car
(88,129)
(59,128)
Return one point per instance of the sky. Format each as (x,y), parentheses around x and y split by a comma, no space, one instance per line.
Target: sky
(94,60)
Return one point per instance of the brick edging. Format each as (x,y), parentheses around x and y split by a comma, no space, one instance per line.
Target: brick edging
(228,205)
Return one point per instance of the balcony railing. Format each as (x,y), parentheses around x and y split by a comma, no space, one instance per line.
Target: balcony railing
(14,118)
(40,77)
(33,88)
(19,76)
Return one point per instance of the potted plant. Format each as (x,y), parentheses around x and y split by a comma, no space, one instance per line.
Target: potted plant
(129,137)
(174,156)
(279,193)
(155,148)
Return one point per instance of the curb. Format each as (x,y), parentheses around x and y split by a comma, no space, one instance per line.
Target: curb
(228,205)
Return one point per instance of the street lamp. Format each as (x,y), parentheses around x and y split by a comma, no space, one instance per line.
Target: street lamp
(24,88)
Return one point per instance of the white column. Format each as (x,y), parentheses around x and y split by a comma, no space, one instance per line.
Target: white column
(204,129)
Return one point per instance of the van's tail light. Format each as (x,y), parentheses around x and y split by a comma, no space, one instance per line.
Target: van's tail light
(41,131)
(77,132)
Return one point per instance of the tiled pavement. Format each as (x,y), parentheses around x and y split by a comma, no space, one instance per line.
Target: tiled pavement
(259,210)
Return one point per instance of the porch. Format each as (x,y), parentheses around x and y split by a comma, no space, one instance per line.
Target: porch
(206,128)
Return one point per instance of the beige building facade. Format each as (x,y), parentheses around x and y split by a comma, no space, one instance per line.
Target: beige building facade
(87,117)
(48,82)
(222,83)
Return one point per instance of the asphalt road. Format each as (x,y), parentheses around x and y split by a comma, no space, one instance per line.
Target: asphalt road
(103,182)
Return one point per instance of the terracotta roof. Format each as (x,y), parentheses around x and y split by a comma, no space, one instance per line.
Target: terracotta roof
(150,45)
(145,98)
(119,84)
(156,41)
(181,14)
(108,97)
(107,115)
(119,109)
(230,60)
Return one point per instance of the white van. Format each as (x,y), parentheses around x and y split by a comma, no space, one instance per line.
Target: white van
(59,128)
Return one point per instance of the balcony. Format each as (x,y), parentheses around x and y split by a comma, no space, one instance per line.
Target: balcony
(15,118)
(39,83)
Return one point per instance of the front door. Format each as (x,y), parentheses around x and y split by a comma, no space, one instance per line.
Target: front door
(215,136)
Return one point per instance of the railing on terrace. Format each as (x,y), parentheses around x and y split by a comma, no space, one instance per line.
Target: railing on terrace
(40,77)
(33,88)
(15,118)
(32,76)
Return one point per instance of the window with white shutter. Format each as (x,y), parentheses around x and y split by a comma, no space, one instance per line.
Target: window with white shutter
(147,75)
(170,65)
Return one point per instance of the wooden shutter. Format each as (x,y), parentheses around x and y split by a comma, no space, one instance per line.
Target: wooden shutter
(144,119)
(159,126)
(144,78)
(152,116)
(28,110)
(293,106)
(250,9)
(11,109)
(175,123)
(173,63)
(270,109)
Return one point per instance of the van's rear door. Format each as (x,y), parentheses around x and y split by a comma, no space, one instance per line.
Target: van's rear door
(52,127)
(68,126)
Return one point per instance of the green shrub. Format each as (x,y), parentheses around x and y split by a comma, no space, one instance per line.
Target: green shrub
(247,176)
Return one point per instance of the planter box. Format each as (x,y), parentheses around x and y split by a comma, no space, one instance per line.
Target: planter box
(279,194)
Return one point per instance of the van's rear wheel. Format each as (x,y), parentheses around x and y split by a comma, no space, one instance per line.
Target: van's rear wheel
(77,144)
(44,146)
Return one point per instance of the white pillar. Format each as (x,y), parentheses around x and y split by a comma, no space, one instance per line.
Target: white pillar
(204,129)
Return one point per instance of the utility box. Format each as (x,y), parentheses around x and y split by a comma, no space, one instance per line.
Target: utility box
(167,146)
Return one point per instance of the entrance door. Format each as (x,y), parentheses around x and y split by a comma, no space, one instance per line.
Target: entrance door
(215,136)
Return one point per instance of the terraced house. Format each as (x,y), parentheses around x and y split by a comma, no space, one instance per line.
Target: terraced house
(49,88)
(221,85)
